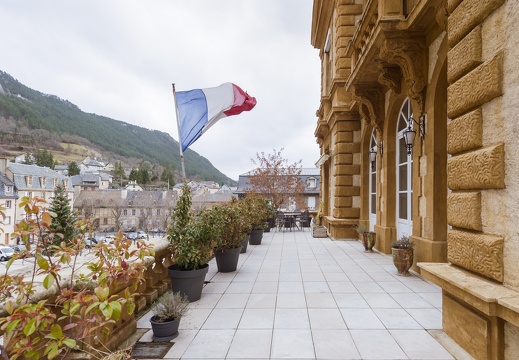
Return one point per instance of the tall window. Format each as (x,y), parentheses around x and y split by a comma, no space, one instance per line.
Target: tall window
(8,204)
(404,175)
(373,185)
(311,202)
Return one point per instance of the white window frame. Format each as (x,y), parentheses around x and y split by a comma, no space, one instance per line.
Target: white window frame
(404,226)
(372,187)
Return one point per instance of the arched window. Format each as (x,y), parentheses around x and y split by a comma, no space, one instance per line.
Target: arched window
(404,175)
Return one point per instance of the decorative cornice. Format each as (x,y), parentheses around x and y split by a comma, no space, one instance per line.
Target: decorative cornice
(321,131)
(370,103)
(390,77)
(410,56)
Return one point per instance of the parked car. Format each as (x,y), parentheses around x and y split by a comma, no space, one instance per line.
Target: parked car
(22,248)
(90,242)
(100,239)
(142,235)
(132,236)
(6,253)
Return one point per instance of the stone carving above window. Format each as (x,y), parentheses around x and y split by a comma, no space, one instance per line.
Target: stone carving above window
(410,56)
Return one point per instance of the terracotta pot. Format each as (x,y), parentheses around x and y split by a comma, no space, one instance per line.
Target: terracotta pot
(371,240)
(403,260)
(365,240)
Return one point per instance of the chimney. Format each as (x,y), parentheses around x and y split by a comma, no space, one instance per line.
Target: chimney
(124,193)
(3,165)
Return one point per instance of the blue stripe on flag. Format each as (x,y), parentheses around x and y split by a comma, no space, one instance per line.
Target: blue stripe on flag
(192,110)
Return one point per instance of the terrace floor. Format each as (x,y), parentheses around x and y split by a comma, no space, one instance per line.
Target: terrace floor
(299,297)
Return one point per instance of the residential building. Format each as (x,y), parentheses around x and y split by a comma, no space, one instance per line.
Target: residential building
(19,180)
(309,177)
(126,210)
(91,180)
(90,164)
(61,168)
(416,127)
(8,198)
(207,199)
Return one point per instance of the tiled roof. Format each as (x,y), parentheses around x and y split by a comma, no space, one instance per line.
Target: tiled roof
(304,172)
(21,171)
(244,181)
(112,198)
(4,181)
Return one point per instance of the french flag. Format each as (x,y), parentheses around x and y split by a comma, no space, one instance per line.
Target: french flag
(199,109)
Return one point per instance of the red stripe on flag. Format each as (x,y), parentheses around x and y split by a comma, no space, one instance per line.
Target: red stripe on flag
(242,102)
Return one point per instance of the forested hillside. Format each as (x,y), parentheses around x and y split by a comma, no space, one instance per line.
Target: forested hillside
(23,108)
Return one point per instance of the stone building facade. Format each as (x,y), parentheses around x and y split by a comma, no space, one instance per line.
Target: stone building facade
(447,70)
(115,210)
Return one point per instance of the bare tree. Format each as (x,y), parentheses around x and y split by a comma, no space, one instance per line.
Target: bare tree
(116,214)
(145,218)
(276,180)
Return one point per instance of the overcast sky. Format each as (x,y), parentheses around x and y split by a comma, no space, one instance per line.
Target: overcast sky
(118,58)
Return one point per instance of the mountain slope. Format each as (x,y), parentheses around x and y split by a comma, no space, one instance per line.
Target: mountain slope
(35,110)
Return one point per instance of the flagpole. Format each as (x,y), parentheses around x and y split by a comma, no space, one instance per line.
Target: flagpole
(179,138)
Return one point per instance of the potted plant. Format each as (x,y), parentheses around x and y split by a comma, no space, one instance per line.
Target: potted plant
(403,254)
(228,229)
(167,312)
(372,239)
(80,305)
(189,237)
(260,210)
(368,237)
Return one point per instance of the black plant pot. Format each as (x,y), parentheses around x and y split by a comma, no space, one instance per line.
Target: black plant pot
(188,282)
(270,224)
(164,331)
(244,244)
(255,236)
(227,260)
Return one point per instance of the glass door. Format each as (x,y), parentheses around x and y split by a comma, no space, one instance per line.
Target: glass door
(404,176)
(373,185)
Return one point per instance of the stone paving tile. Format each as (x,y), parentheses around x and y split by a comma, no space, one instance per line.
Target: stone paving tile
(299,297)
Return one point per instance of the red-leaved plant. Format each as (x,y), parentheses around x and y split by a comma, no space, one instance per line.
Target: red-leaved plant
(84,305)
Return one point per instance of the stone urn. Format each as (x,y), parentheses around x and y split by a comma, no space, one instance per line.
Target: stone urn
(403,260)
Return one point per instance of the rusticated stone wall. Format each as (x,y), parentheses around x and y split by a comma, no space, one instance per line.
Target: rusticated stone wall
(477,252)
(464,210)
(345,169)
(476,165)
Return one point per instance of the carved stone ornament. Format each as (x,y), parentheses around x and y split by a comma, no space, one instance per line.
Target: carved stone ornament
(410,56)
(390,77)
(442,14)
(370,102)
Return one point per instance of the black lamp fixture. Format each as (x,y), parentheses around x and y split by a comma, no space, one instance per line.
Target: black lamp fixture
(373,153)
(410,133)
